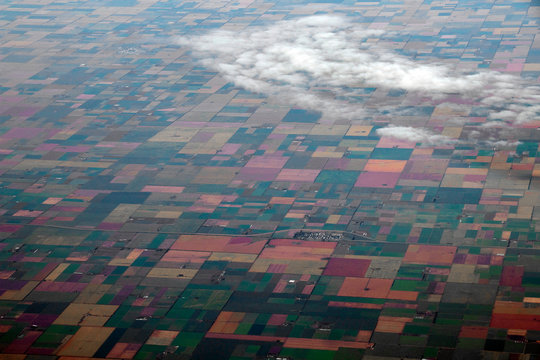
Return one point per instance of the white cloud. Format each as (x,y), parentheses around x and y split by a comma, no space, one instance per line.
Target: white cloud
(495,134)
(417,135)
(324,63)
(503,144)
